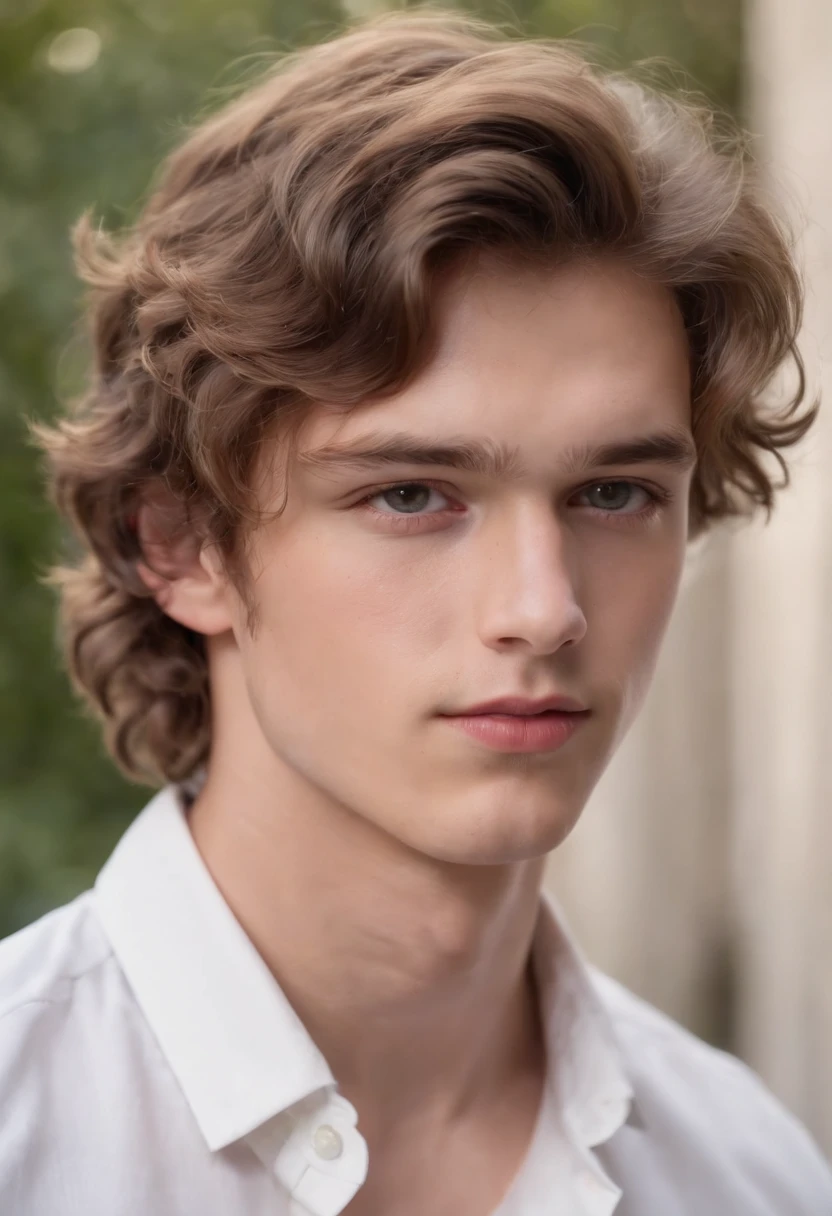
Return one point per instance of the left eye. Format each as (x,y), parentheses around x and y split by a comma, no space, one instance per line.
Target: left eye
(619,497)
(412,497)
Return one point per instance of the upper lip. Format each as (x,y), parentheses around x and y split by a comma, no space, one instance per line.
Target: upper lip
(523,706)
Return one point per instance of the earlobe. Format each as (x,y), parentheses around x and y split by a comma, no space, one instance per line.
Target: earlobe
(195,599)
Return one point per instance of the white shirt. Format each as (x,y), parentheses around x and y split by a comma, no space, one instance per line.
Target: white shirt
(150,1065)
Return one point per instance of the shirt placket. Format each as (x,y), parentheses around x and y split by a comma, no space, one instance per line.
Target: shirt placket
(324,1159)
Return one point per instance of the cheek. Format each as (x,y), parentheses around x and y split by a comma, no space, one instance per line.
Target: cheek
(631,604)
(335,622)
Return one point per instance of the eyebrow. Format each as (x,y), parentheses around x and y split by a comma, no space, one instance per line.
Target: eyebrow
(489,458)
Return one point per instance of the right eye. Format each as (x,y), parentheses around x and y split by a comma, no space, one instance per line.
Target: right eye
(410,496)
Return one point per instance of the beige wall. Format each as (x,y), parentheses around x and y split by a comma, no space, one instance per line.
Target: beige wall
(700,872)
(783,658)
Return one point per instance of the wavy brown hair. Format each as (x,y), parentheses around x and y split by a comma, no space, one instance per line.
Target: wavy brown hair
(289,255)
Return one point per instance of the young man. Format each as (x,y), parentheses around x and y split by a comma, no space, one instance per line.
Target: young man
(425,360)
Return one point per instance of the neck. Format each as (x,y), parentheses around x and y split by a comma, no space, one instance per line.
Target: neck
(411,974)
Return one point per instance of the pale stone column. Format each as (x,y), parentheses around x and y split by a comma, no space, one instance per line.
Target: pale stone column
(782,661)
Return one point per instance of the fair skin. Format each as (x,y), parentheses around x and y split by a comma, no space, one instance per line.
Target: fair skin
(386,865)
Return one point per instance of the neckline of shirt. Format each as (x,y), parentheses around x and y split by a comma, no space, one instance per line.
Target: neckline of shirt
(239,1051)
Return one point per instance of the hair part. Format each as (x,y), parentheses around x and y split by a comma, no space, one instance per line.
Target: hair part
(290,255)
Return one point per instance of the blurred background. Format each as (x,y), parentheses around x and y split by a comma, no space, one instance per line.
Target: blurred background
(699,875)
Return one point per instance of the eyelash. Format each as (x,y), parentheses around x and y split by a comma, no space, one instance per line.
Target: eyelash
(657,500)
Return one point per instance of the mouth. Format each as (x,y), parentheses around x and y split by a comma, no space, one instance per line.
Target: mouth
(524,707)
(546,730)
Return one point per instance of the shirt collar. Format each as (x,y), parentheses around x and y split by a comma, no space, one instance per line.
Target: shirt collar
(236,1046)
(586,1072)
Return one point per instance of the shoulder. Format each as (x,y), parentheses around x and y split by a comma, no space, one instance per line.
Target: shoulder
(719,1107)
(660,1052)
(53,991)
(42,964)
(89,1110)
(57,991)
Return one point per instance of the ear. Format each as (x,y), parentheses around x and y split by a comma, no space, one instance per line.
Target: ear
(186,576)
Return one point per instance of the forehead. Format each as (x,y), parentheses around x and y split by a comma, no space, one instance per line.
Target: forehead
(536,359)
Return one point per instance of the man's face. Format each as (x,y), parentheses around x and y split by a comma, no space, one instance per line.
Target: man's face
(381,610)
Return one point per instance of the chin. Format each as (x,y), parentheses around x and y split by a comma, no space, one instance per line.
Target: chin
(502,840)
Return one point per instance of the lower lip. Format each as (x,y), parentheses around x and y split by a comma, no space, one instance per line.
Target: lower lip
(512,733)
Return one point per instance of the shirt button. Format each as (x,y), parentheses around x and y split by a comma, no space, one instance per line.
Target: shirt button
(327,1142)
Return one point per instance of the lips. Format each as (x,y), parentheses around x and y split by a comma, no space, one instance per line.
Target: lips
(541,731)
(523,707)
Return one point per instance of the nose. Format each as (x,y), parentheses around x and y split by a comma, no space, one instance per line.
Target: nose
(529,594)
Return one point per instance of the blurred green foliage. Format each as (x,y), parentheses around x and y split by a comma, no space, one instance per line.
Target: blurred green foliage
(92,93)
